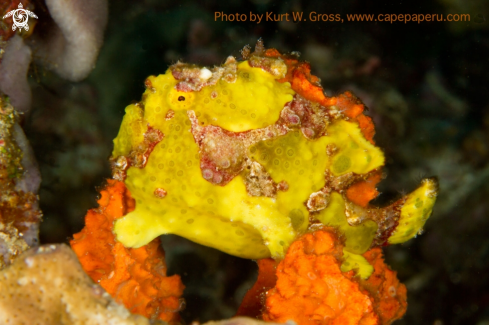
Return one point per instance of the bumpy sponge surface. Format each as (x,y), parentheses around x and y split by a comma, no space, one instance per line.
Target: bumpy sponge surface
(312,289)
(135,277)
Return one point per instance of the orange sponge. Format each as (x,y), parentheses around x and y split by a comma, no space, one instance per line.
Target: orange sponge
(389,295)
(252,303)
(311,289)
(362,193)
(308,86)
(135,277)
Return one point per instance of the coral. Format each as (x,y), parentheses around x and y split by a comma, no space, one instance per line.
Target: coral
(312,289)
(71,45)
(19,182)
(15,58)
(135,277)
(246,156)
(11,244)
(11,155)
(46,285)
(13,73)
(31,178)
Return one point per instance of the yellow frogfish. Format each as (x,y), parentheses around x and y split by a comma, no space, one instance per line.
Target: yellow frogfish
(253,159)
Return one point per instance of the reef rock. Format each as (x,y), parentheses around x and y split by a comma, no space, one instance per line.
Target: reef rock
(47,285)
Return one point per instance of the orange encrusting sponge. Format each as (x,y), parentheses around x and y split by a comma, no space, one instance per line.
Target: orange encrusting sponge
(135,277)
(253,300)
(307,85)
(362,193)
(311,289)
(389,295)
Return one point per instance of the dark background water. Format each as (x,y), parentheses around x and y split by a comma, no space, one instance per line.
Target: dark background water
(426,86)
